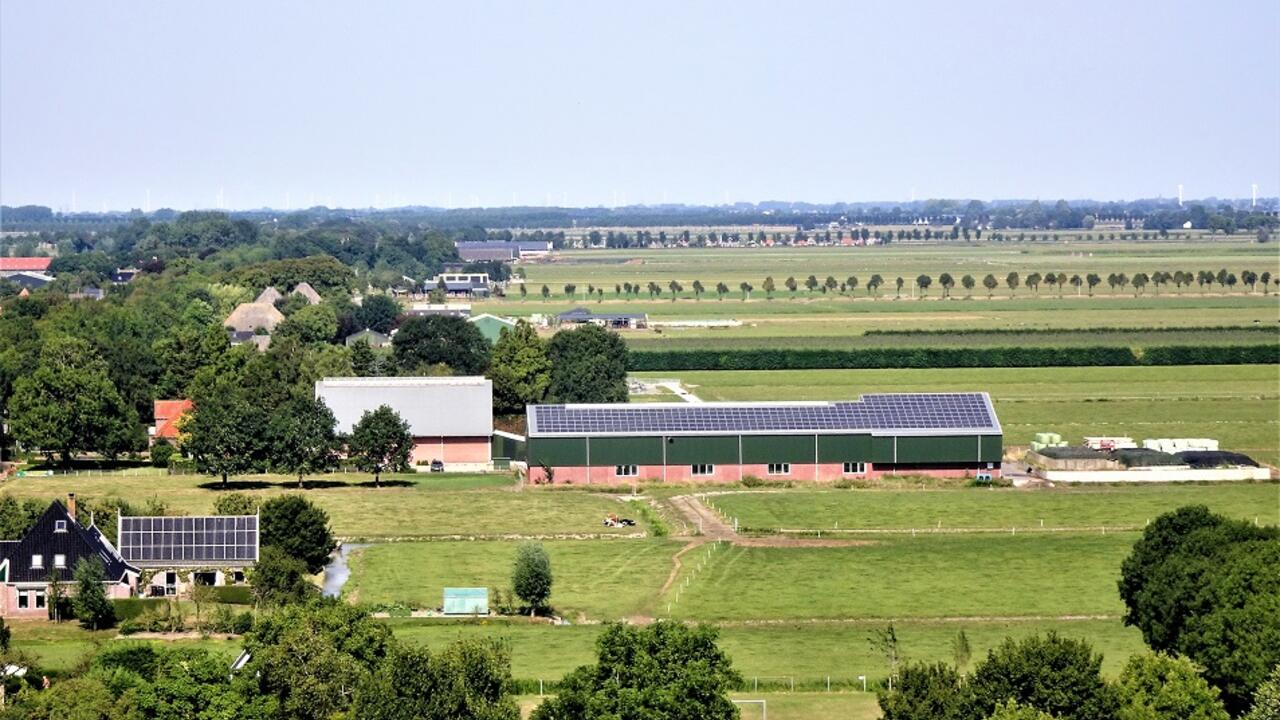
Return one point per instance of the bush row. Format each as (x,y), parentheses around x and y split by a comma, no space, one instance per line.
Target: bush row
(867,358)
(1058,331)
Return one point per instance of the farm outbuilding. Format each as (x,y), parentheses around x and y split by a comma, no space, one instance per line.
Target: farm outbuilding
(937,434)
(451,418)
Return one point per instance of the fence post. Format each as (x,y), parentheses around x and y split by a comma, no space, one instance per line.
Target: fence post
(828,683)
(539,687)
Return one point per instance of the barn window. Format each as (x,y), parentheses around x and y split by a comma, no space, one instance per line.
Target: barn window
(855,468)
(703,470)
(626,470)
(779,468)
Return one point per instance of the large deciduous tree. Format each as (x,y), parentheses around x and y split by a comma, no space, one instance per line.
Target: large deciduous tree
(380,442)
(299,528)
(225,434)
(1060,676)
(303,440)
(378,313)
(521,370)
(69,405)
(1162,687)
(588,365)
(469,680)
(310,658)
(665,670)
(437,339)
(1205,586)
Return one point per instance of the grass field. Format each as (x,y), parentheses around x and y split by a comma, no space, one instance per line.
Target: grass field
(409,506)
(1239,405)
(595,579)
(1065,507)
(733,265)
(921,577)
(806,652)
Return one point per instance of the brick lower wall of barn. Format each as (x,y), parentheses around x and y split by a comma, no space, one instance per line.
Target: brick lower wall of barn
(724,474)
(461,450)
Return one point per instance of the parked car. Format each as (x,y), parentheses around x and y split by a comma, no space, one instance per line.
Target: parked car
(437,466)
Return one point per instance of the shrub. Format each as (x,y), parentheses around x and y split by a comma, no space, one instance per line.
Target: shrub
(753,481)
(161,453)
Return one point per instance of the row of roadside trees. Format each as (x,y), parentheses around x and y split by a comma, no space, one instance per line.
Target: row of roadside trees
(877,284)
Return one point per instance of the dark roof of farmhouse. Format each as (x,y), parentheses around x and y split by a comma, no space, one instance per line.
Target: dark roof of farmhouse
(875,414)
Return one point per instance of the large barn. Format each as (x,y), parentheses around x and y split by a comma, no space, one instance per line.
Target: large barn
(937,434)
(451,418)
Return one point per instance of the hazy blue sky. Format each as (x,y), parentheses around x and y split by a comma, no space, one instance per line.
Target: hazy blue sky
(581,103)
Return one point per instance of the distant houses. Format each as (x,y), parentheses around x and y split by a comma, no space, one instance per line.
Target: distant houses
(253,322)
(491,326)
(501,251)
(460,284)
(10,266)
(168,414)
(617,321)
(305,290)
(374,339)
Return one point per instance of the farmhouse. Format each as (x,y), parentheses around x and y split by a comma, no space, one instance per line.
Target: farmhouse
(943,435)
(52,547)
(451,418)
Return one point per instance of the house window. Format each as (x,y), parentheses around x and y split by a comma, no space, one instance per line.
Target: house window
(626,470)
(779,468)
(703,470)
(855,468)
(39,599)
(24,600)
(37,562)
(59,525)
(60,561)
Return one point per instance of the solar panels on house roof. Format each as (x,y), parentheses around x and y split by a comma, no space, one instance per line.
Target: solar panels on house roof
(918,413)
(230,539)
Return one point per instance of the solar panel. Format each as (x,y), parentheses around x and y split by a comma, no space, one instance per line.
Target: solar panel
(189,539)
(876,412)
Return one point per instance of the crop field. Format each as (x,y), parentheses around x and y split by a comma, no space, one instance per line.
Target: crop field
(1237,404)
(408,506)
(1123,506)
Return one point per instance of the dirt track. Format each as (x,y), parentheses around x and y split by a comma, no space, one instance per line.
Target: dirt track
(712,527)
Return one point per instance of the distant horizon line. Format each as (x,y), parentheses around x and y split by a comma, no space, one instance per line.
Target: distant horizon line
(759,204)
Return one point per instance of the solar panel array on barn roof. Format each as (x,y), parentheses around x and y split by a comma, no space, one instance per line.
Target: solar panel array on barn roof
(899,413)
(230,539)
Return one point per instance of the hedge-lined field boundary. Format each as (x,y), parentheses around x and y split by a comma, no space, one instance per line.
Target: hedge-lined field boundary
(873,358)
(1263,329)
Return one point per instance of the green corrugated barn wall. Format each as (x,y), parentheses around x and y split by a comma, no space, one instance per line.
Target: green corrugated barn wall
(763,449)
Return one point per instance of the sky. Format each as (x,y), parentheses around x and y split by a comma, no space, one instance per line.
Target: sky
(377,104)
